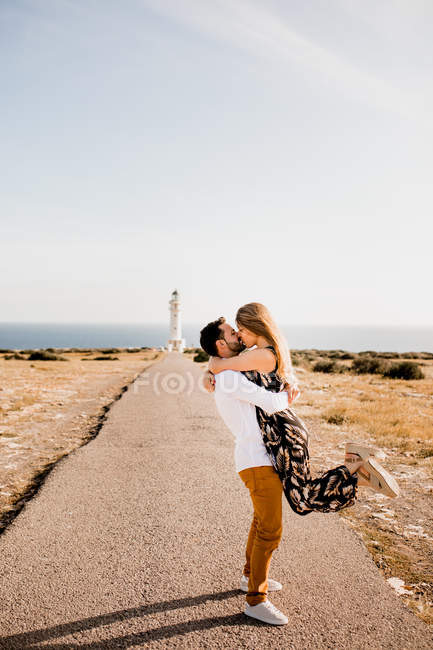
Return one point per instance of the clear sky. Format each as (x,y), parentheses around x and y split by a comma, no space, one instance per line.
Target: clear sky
(236,150)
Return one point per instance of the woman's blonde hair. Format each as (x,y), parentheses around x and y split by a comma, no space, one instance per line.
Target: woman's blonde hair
(257,318)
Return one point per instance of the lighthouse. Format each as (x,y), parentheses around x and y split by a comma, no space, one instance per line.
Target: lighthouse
(175,342)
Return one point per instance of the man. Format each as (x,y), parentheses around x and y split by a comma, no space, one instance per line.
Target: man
(236,398)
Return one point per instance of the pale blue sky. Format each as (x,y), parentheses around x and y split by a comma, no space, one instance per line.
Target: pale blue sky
(236,150)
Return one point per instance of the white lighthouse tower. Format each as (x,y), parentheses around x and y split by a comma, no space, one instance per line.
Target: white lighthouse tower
(175,343)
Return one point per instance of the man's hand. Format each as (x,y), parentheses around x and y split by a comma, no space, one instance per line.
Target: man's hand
(293,392)
(209,381)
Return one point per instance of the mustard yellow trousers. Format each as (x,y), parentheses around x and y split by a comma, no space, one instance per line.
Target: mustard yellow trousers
(266,529)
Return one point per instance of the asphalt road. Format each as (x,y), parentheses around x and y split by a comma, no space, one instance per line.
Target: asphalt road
(136,540)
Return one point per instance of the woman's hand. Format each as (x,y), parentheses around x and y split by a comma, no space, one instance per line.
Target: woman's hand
(293,392)
(209,381)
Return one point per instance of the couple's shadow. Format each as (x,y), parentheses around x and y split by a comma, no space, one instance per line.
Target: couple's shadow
(32,639)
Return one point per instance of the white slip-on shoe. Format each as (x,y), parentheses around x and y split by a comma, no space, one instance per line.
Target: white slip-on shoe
(273,585)
(362,451)
(379,479)
(267,613)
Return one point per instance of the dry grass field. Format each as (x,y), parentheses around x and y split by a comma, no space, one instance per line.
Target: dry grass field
(395,413)
(49,408)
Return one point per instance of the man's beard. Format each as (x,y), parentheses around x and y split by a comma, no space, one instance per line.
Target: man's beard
(236,347)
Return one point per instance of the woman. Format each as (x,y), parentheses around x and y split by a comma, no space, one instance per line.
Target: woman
(285,435)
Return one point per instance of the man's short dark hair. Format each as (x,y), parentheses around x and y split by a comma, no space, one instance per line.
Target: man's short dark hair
(210,334)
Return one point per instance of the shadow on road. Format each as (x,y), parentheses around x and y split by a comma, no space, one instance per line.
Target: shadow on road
(31,639)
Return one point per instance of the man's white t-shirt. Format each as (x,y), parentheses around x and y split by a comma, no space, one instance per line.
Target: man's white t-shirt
(236,398)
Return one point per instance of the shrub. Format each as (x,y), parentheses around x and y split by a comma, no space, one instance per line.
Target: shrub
(333,354)
(42,355)
(328,366)
(201,356)
(404,370)
(425,452)
(335,418)
(338,354)
(307,355)
(53,350)
(105,358)
(108,350)
(367,365)
(15,355)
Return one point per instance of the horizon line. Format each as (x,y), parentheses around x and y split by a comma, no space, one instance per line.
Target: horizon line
(191,323)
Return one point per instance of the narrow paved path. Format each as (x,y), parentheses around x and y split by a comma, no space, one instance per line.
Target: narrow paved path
(136,540)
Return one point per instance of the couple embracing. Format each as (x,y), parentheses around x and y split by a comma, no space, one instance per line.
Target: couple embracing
(251,375)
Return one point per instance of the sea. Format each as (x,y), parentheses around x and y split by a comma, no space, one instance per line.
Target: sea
(19,336)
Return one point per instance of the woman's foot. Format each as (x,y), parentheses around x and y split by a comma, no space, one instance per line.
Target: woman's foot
(354,465)
(363,475)
(355,461)
(357,467)
(356,454)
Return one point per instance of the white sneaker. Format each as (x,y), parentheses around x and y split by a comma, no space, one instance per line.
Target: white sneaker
(273,585)
(266,612)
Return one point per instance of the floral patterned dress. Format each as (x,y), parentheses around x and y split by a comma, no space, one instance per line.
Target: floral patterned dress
(286,441)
